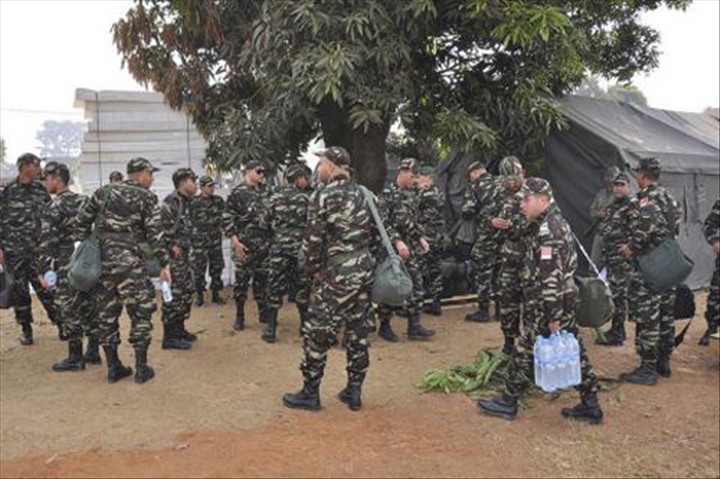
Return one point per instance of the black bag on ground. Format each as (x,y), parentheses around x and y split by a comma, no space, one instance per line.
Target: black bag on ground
(6,288)
(666,266)
(684,302)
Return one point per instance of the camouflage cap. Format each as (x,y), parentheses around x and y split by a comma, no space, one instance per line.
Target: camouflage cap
(140,164)
(206,180)
(297,171)
(27,159)
(475,165)
(57,169)
(426,170)
(116,176)
(336,154)
(255,165)
(651,165)
(510,166)
(621,177)
(537,186)
(611,172)
(410,164)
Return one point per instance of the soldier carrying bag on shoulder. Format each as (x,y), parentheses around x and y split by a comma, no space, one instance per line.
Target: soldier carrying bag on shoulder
(85,264)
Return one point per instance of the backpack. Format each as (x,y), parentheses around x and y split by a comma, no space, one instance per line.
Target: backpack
(6,288)
(596,305)
(85,264)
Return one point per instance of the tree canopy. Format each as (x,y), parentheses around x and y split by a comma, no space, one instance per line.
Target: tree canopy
(262,78)
(60,139)
(627,92)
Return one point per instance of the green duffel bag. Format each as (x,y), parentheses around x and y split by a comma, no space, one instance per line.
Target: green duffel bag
(85,263)
(595,304)
(666,266)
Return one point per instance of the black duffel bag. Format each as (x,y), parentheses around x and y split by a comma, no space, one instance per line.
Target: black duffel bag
(684,302)
(6,288)
(665,266)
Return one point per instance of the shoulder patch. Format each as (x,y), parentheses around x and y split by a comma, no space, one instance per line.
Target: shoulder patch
(546,253)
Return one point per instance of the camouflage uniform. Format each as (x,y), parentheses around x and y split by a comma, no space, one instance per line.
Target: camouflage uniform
(22,206)
(711,229)
(207,212)
(430,206)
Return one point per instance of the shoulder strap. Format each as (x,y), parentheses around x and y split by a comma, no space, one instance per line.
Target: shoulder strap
(378,221)
(101,214)
(587,257)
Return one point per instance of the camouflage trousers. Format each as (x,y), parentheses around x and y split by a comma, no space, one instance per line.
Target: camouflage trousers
(207,253)
(283,270)
(510,296)
(432,274)
(485,261)
(124,282)
(521,372)
(414,302)
(712,314)
(342,298)
(75,309)
(620,277)
(177,311)
(253,269)
(24,273)
(655,319)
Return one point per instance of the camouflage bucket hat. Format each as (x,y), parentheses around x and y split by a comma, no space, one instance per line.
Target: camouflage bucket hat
(140,164)
(337,155)
(537,186)
(57,169)
(651,165)
(410,164)
(510,166)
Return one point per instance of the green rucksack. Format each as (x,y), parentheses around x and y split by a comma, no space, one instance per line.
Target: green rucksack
(85,264)
(392,284)
(665,266)
(595,303)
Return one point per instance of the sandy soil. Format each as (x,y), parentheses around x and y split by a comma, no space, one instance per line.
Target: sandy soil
(215,411)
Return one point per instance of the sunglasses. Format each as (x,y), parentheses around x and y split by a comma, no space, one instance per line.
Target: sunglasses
(260,171)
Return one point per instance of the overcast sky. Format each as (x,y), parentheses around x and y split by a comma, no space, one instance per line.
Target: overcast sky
(50,48)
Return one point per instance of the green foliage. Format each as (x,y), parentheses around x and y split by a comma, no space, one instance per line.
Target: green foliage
(262,78)
(485,375)
(626,92)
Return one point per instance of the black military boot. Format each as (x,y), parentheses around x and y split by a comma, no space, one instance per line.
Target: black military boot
(303,311)
(433,308)
(239,324)
(351,396)
(199,298)
(615,335)
(503,406)
(644,375)
(92,353)
(588,410)
(74,361)
(662,367)
(27,334)
(271,329)
(712,329)
(307,398)
(415,331)
(262,312)
(217,297)
(172,338)
(386,331)
(482,315)
(185,334)
(402,312)
(143,372)
(509,346)
(116,370)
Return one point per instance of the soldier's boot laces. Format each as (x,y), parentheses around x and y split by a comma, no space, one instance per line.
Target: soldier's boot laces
(271,328)
(663,367)
(116,369)
(503,406)
(143,372)
(588,410)
(185,334)
(307,398)
(433,308)
(199,299)
(416,331)
(92,354)
(217,297)
(386,331)
(172,338)
(27,334)
(644,375)
(480,316)
(239,324)
(351,396)
(74,361)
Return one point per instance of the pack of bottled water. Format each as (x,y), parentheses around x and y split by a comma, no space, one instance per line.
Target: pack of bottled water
(557,361)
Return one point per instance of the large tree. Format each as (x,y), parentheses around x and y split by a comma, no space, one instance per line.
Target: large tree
(60,139)
(261,78)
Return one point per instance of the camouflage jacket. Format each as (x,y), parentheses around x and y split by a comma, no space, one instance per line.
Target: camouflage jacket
(130,217)
(58,231)
(288,217)
(247,213)
(176,220)
(431,214)
(21,207)
(513,248)
(658,219)
(207,216)
(602,201)
(550,264)
(482,201)
(341,232)
(711,227)
(400,211)
(616,228)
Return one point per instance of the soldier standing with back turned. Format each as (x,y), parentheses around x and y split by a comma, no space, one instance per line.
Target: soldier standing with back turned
(432,203)
(207,211)
(711,228)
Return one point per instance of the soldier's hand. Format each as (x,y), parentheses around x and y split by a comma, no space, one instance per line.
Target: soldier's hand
(402,249)
(626,251)
(241,250)
(176,251)
(716,248)
(500,223)
(554,326)
(165,274)
(424,246)
(43,282)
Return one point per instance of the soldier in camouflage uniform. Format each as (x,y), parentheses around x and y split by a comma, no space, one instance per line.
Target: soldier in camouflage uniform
(126,213)
(711,228)
(22,203)
(511,223)
(115,177)
(551,298)
(207,211)
(400,208)
(432,219)
(177,228)
(658,219)
(245,222)
(482,202)
(615,229)
(75,309)
(598,212)
(339,245)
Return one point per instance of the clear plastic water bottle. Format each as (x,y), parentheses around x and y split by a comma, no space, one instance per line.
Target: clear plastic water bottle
(51,278)
(166,291)
(565,358)
(537,355)
(574,353)
(548,373)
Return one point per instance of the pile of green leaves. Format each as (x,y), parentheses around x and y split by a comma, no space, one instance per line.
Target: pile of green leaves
(485,375)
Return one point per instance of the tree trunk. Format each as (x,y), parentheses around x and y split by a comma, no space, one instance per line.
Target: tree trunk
(367,149)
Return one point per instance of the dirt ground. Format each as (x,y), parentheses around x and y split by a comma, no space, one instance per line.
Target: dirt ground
(215,411)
